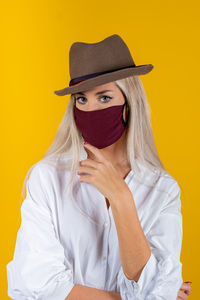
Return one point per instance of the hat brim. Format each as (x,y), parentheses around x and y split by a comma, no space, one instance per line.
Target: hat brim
(105,78)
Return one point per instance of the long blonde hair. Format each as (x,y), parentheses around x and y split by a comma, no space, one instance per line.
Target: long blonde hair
(65,151)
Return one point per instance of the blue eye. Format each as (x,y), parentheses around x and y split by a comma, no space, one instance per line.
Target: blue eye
(108,99)
(79,98)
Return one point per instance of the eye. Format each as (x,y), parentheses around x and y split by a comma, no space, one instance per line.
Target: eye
(108,99)
(79,98)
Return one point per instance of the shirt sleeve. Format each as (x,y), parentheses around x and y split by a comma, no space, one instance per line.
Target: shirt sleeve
(39,269)
(161,277)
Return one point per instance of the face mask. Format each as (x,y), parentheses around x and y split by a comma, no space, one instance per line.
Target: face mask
(101,128)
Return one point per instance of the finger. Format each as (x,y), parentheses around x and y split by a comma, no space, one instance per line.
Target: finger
(86,178)
(182,295)
(186,287)
(86,170)
(89,162)
(185,291)
(95,151)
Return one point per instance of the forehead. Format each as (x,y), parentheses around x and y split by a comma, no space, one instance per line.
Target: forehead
(111,86)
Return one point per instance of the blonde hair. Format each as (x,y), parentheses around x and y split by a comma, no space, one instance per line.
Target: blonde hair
(65,150)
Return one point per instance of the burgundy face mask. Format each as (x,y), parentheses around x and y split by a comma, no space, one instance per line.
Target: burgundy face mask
(101,128)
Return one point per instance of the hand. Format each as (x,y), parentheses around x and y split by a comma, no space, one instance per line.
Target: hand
(184,291)
(102,174)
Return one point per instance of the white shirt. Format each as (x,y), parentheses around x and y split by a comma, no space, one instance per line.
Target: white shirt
(59,246)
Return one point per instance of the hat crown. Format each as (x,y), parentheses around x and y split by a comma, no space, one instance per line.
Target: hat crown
(109,54)
(92,64)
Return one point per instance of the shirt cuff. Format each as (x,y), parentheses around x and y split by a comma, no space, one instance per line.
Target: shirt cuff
(158,280)
(130,288)
(58,288)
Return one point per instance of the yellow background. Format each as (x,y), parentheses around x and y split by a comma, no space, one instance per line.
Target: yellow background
(35,41)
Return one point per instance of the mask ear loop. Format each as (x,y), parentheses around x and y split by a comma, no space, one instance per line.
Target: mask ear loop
(125,123)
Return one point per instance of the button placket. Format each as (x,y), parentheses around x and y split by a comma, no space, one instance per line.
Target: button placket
(104,257)
(106,223)
(136,289)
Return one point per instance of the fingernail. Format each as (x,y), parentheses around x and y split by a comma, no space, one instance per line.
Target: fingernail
(85,142)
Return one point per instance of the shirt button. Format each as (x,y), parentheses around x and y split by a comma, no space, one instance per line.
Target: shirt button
(100,287)
(105,224)
(104,257)
(135,284)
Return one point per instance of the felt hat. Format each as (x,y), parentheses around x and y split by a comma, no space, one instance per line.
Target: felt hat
(93,64)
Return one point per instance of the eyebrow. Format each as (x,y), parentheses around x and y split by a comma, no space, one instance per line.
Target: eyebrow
(98,93)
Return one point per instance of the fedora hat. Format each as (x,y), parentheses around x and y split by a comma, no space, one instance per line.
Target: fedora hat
(93,64)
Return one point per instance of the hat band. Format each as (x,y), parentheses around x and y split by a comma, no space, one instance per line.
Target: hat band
(85,77)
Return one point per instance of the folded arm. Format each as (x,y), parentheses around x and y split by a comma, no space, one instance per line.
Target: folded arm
(161,277)
(82,292)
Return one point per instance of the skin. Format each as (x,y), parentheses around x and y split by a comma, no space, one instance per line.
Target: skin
(115,153)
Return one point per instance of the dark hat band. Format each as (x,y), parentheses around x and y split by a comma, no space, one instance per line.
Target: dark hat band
(85,77)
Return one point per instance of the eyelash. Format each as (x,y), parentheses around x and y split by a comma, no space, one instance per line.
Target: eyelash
(76,99)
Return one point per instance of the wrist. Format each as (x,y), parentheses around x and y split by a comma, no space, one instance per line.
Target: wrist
(120,196)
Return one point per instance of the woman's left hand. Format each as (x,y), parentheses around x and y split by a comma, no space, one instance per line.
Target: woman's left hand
(184,291)
(102,174)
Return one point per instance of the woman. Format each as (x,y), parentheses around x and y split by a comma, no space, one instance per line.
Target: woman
(101,219)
